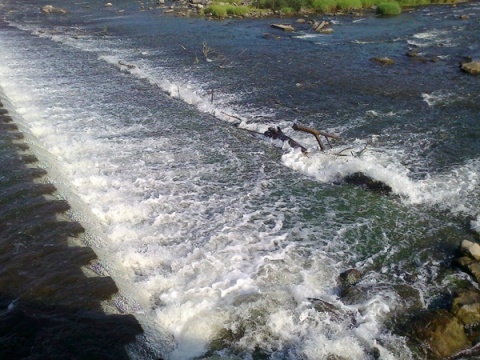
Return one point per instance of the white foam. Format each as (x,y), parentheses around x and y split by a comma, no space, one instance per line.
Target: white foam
(441,97)
(432,38)
(330,168)
(451,191)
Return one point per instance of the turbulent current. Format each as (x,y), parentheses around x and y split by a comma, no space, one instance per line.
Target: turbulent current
(223,242)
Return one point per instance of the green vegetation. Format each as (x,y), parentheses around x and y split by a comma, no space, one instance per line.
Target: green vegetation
(218,11)
(348,5)
(233,8)
(222,10)
(324,6)
(388,8)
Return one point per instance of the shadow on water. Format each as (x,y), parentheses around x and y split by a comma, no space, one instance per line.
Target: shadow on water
(48,307)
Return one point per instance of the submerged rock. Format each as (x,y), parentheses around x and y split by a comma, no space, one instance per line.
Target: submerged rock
(324,306)
(359,178)
(407,298)
(383,60)
(350,277)
(440,333)
(50,9)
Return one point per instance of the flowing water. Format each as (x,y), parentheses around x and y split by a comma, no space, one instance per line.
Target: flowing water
(222,242)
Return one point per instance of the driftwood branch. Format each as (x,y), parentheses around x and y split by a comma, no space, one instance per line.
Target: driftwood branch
(317,134)
(130,66)
(277,133)
(232,116)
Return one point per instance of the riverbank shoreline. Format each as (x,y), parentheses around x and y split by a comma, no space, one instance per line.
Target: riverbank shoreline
(231,9)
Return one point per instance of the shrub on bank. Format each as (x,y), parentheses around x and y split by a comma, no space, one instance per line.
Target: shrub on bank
(218,11)
(389,8)
(287,10)
(324,6)
(407,3)
(295,5)
(290,7)
(347,5)
(237,10)
(367,4)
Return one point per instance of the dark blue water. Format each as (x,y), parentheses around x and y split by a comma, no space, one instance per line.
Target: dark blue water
(218,239)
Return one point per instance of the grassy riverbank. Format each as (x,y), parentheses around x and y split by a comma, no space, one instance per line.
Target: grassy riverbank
(225,8)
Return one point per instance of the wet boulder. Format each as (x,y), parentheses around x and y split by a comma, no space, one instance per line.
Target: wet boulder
(440,333)
(471,249)
(466,307)
(360,178)
(472,67)
(470,266)
(350,277)
(347,281)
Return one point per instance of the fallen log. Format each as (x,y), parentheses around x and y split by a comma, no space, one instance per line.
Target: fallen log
(277,133)
(358,178)
(317,134)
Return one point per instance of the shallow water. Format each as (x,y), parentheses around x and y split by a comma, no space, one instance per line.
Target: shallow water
(219,241)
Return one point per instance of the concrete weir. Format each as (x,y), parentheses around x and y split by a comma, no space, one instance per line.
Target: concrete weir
(49,307)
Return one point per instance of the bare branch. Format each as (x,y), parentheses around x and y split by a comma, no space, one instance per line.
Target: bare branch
(317,134)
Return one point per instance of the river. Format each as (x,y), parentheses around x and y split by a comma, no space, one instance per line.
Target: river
(222,242)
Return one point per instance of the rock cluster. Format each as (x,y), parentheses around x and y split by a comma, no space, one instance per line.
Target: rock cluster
(434,333)
(322,27)
(443,333)
(415,55)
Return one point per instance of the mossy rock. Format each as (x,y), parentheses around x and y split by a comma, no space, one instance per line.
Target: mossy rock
(440,333)
(466,307)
